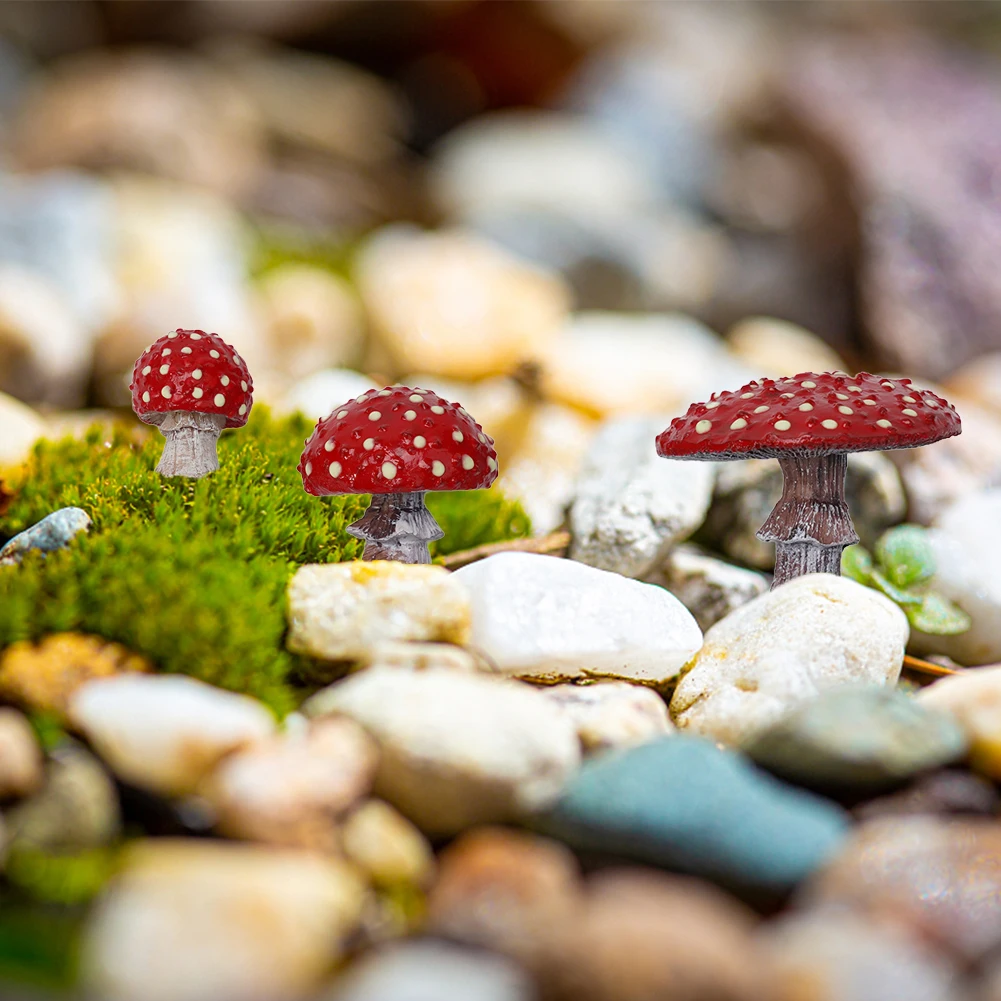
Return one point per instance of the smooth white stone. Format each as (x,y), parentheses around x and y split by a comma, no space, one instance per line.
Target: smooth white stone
(457,749)
(631,505)
(319,394)
(783,648)
(20,428)
(339,611)
(164,732)
(197,920)
(966,543)
(543,617)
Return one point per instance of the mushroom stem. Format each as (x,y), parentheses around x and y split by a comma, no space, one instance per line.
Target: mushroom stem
(397,527)
(810,525)
(190,449)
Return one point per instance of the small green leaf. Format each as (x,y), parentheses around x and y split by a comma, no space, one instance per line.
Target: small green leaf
(856,563)
(898,594)
(938,616)
(905,555)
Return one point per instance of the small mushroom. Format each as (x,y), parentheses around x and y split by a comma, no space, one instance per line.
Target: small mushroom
(396,444)
(809,422)
(191,385)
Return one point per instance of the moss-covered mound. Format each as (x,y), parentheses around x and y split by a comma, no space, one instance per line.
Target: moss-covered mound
(192,574)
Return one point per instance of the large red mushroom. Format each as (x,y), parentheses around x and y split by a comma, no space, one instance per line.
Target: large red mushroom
(191,385)
(396,444)
(809,422)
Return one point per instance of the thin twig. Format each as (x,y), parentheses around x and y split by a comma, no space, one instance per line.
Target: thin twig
(927,667)
(554,544)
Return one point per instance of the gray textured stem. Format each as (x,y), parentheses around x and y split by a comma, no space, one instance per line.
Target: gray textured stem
(810,525)
(397,527)
(190,449)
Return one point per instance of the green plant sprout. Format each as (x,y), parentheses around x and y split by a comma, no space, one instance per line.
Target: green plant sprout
(192,573)
(902,569)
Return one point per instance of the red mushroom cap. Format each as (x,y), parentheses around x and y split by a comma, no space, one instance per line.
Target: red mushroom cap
(397,440)
(813,414)
(194,372)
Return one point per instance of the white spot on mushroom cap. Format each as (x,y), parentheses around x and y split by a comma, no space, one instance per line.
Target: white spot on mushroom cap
(414,398)
(712,404)
(909,399)
(219,400)
(146,396)
(224,379)
(491,462)
(197,392)
(457,436)
(334,469)
(196,337)
(213,353)
(388,470)
(845,410)
(747,396)
(437,410)
(164,369)
(829,424)
(788,396)
(761,409)
(410,415)
(854,389)
(147,370)
(869,403)
(243,409)
(385,392)
(438,468)
(328,445)
(165,392)
(930,402)
(420,441)
(172,334)
(738,425)
(341,413)
(368,444)
(808,385)
(166,351)
(909,412)
(703,426)
(185,351)
(884,424)
(467,462)
(841,396)
(309,468)
(806,406)
(374,415)
(197,374)
(782,425)
(243,385)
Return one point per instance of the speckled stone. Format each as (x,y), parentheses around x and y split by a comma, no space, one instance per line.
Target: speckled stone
(814,633)
(54,531)
(682,803)
(858,739)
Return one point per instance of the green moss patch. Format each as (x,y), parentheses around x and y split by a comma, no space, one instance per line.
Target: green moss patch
(192,574)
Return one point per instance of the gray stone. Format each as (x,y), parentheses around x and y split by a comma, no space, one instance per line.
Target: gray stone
(631,506)
(848,957)
(684,804)
(457,749)
(783,648)
(708,587)
(54,531)
(76,809)
(951,792)
(747,490)
(429,970)
(858,739)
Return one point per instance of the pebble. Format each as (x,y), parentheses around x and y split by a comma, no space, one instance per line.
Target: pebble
(293,789)
(858,739)
(684,804)
(966,545)
(21,763)
(429,970)
(840,956)
(708,587)
(312,319)
(164,733)
(636,363)
(338,611)
(814,633)
(630,505)
(384,845)
(776,348)
(457,749)
(940,878)
(950,792)
(939,475)
(553,619)
(973,700)
(420,656)
(317,395)
(47,350)
(542,473)
(452,304)
(748,489)
(979,381)
(611,714)
(198,920)
(20,428)
(54,531)
(75,810)
(43,676)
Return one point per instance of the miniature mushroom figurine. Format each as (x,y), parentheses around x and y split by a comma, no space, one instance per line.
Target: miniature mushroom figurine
(396,444)
(809,422)
(191,385)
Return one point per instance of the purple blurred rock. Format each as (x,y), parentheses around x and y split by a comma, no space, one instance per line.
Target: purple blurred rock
(918,129)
